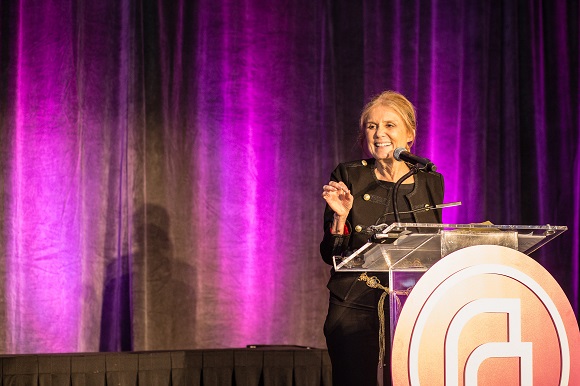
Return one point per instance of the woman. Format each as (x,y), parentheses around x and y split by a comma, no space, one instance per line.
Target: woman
(357,196)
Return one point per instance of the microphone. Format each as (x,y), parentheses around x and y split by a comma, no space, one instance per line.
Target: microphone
(401,154)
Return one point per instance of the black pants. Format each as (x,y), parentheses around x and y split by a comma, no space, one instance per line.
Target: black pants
(352,338)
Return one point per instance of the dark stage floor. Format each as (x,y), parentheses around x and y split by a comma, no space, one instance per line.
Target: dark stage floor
(259,366)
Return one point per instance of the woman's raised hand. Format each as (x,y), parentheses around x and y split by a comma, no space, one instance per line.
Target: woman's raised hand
(338,197)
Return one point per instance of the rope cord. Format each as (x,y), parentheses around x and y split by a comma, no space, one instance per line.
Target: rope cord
(374,282)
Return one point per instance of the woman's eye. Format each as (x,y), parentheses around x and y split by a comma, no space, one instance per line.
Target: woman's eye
(371,126)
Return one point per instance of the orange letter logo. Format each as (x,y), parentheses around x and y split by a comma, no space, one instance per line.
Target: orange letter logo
(486,315)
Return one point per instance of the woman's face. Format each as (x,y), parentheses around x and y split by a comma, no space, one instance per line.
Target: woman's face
(385,131)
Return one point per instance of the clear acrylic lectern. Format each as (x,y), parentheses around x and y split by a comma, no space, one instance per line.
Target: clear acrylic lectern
(408,250)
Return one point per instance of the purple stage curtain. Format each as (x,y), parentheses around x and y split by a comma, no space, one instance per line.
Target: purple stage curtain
(161,162)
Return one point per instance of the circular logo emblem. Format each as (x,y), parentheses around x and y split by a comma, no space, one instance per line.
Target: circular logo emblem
(486,315)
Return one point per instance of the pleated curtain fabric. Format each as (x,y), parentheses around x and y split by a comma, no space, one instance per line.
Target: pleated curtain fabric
(161,163)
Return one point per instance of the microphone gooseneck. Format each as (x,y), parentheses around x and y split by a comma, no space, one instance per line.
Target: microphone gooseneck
(417,164)
(414,170)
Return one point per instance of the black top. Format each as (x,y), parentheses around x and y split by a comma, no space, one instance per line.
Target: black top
(372,203)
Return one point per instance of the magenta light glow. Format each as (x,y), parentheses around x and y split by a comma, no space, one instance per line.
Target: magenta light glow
(45,256)
(165,160)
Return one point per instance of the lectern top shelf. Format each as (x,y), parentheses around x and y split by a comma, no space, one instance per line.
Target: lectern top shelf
(420,245)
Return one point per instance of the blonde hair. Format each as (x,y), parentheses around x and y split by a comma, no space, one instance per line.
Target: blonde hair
(397,102)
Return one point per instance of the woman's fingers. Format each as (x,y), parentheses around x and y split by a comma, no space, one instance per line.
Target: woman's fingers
(334,186)
(337,195)
(342,187)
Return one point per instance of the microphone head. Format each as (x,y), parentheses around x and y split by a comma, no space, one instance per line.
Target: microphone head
(397,153)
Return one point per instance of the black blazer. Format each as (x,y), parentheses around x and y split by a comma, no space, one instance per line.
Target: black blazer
(370,198)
